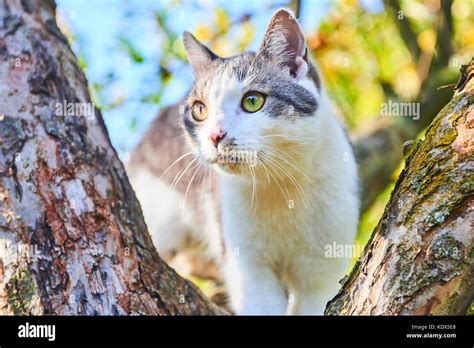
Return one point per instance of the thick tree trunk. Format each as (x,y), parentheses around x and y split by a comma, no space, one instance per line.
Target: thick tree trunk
(420,259)
(72,235)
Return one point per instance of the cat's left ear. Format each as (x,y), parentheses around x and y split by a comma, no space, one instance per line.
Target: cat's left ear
(198,55)
(284,42)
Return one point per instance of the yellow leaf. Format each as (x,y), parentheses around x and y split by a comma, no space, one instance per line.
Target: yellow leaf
(350,3)
(468,38)
(245,35)
(203,32)
(221,20)
(407,82)
(427,40)
(222,47)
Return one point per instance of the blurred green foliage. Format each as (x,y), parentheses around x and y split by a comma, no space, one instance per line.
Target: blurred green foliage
(365,60)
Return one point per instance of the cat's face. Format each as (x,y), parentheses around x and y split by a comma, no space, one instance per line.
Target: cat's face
(252,108)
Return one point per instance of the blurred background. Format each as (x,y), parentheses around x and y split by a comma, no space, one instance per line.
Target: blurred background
(368,52)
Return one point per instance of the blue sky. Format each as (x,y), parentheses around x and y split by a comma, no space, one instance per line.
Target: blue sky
(98,25)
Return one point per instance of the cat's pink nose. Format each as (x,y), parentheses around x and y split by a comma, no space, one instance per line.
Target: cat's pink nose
(217,136)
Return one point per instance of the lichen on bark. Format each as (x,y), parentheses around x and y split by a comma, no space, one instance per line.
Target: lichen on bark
(21,291)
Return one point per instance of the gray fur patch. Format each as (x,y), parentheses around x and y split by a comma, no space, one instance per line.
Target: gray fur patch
(285,98)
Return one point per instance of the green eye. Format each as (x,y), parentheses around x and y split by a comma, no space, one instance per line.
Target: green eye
(253,101)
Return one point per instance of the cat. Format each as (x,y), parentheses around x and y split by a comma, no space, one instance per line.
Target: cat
(281,174)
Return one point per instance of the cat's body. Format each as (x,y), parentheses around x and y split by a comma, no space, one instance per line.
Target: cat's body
(281,242)
(174,224)
(276,214)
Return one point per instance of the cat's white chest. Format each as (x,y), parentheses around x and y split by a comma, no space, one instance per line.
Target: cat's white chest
(271,226)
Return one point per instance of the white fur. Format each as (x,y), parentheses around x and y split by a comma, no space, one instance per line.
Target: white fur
(168,223)
(275,263)
(275,243)
(276,228)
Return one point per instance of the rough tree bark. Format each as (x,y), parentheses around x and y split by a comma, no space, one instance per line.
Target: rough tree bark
(72,235)
(420,259)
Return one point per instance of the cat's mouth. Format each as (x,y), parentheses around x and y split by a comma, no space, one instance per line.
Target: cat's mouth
(234,161)
(228,166)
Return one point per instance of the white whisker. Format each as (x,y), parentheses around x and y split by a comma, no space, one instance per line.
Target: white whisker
(176,161)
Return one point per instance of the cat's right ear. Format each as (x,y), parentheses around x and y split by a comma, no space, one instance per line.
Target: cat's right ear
(284,42)
(199,56)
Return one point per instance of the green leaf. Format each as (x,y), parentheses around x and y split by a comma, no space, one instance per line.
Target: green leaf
(128,48)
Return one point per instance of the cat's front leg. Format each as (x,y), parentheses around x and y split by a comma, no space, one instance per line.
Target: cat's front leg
(311,303)
(253,288)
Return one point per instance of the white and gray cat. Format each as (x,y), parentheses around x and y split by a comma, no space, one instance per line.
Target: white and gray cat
(257,167)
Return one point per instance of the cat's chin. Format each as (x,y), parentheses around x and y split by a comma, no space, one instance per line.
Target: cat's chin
(227,168)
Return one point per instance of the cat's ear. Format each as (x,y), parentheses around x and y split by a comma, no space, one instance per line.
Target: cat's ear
(284,42)
(199,56)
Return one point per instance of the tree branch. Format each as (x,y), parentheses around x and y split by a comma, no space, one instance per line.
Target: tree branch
(407,34)
(420,259)
(75,236)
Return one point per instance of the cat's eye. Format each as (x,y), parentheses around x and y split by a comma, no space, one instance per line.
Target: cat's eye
(199,111)
(253,101)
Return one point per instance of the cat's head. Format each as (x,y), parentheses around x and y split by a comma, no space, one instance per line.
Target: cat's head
(253,108)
